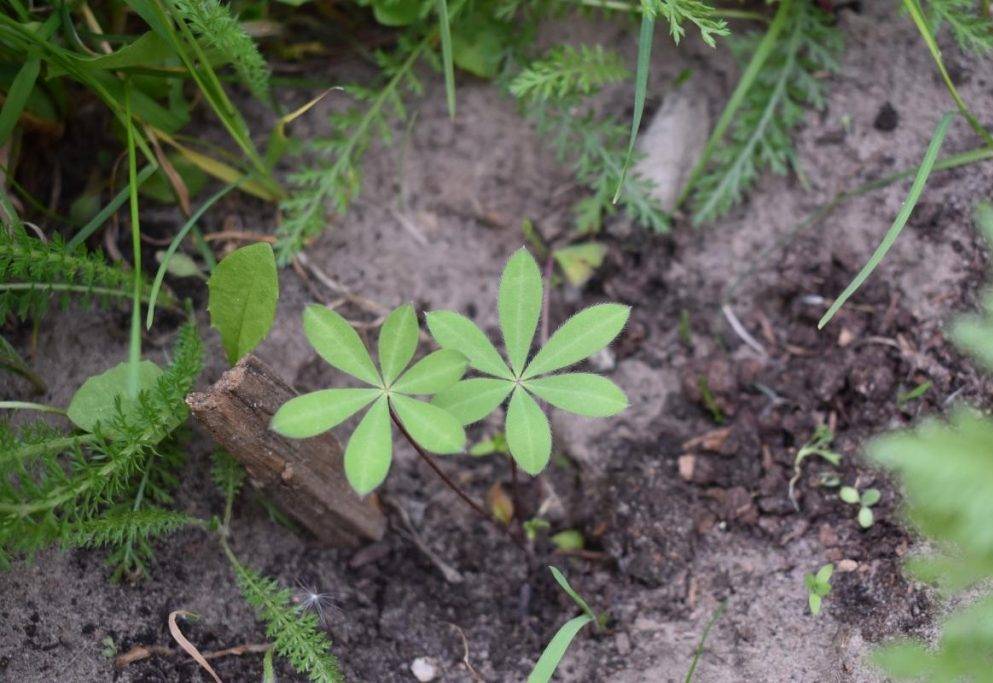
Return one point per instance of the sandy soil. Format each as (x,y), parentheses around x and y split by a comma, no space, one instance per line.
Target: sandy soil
(675,543)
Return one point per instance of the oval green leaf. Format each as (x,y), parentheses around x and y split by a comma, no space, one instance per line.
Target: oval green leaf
(243,290)
(436,430)
(338,343)
(456,332)
(473,399)
(529,436)
(370,450)
(580,337)
(433,373)
(95,401)
(397,342)
(582,393)
(319,411)
(519,306)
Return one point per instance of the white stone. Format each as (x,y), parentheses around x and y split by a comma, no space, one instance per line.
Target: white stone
(424,669)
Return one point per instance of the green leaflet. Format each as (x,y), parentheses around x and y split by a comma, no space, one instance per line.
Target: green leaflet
(244,289)
(582,335)
(319,411)
(370,449)
(445,29)
(556,648)
(433,373)
(338,344)
(435,429)
(519,306)
(583,393)
(455,331)
(397,342)
(473,399)
(96,400)
(528,433)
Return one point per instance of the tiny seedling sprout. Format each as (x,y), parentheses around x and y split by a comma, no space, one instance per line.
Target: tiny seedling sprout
(865,500)
(818,586)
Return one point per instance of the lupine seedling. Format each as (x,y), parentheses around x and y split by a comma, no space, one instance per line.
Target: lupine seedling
(818,586)
(865,500)
(529,437)
(390,393)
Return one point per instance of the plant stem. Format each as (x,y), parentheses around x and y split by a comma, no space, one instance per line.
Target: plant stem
(433,464)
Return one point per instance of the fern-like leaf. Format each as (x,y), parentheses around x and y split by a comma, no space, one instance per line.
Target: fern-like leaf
(294,633)
(335,175)
(33,272)
(51,485)
(679,12)
(775,104)
(972,30)
(565,71)
(214,23)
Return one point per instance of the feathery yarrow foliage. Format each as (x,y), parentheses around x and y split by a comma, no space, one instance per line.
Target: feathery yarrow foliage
(334,175)
(566,70)
(219,28)
(946,472)
(294,633)
(788,83)
(965,19)
(33,272)
(678,12)
(58,488)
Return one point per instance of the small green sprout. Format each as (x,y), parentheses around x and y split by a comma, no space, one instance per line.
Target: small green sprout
(864,500)
(906,397)
(556,648)
(370,448)
(534,526)
(494,444)
(820,445)
(818,586)
(570,539)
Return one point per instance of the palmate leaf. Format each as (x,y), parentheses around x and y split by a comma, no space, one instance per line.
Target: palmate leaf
(338,343)
(519,307)
(432,427)
(370,449)
(397,342)
(582,335)
(433,373)
(319,411)
(473,399)
(528,433)
(455,331)
(582,393)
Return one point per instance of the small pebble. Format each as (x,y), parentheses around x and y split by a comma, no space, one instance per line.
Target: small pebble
(623,644)
(847,565)
(424,669)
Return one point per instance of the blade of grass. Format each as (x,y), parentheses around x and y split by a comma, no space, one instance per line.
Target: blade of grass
(745,83)
(645,38)
(445,29)
(27,405)
(17,96)
(174,245)
(718,613)
(134,344)
(917,14)
(920,180)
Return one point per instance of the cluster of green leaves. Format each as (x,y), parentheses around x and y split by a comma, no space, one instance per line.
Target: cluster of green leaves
(33,272)
(968,21)
(553,91)
(105,484)
(864,500)
(438,426)
(780,82)
(818,587)
(946,472)
(679,12)
(295,634)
